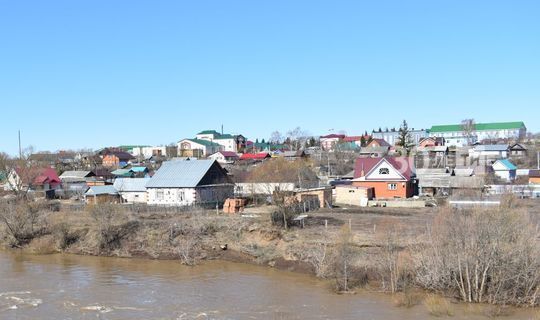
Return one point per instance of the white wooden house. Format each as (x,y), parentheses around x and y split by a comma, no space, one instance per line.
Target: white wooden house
(189,182)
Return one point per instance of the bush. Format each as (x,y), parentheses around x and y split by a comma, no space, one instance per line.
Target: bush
(486,256)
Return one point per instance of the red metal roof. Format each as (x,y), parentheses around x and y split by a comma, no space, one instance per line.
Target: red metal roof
(404,165)
(255,156)
(39,176)
(356,138)
(333,135)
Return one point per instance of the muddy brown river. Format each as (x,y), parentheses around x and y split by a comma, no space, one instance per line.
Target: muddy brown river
(78,287)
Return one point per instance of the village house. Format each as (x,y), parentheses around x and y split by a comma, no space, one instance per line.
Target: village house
(390,177)
(374,152)
(225,157)
(481,131)
(518,150)
(353,195)
(292,155)
(229,142)
(534,177)
(392,136)
(255,156)
(77,181)
(101,194)
(33,178)
(489,152)
(116,158)
(431,142)
(132,190)
(146,152)
(505,170)
(102,177)
(189,182)
(198,148)
(329,142)
(376,142)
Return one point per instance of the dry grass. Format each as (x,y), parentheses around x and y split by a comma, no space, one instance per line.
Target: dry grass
(438,306)
(407,299)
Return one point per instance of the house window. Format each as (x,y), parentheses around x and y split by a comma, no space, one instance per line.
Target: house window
(392,186)
(384,171)
(181,195)
(159,194)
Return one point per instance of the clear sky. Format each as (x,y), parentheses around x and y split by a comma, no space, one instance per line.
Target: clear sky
(79,74)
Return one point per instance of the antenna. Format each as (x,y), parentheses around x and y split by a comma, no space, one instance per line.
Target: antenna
(221,129)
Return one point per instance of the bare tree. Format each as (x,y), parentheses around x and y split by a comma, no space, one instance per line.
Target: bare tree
(468,126)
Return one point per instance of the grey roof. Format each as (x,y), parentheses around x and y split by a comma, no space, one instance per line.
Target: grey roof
(131,184)
(432,149)
(100,190)
(491,147)
(180,174)
(74,174)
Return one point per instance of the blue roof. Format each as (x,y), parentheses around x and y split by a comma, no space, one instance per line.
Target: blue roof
(180,174)
(509,165)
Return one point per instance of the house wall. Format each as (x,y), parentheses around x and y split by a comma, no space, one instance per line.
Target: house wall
(104,198)
(324,195)
(247,189)
(507,175)
(189,196)
(134,197)
(350,195)
(171,196)
(381,190)
(110,161)
(534,180)
(228,144)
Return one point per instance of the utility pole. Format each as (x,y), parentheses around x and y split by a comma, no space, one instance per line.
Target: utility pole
(20,148)
(538,160)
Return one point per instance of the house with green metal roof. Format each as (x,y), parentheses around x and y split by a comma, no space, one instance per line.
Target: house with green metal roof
(229,142)
(198,148)
(481,131)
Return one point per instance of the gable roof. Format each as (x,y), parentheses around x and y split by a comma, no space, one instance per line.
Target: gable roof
(380,141)
(131,184)
(214,132)
(333,136)
(479,126)
(255,156)
(75,174)
(506,163)
(518,147)
(180,173)
(101,190)
(404,165)
(491,147)
(203,142)
(121,155)
(229,154)
(122,172)
(39,176)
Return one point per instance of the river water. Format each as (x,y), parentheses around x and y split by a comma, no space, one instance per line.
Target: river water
(79,287)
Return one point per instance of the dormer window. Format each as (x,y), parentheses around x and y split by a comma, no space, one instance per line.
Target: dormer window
(384,171)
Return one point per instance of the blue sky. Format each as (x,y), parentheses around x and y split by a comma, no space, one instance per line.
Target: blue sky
(79,74)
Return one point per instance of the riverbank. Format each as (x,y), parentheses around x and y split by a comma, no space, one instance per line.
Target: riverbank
(377,247)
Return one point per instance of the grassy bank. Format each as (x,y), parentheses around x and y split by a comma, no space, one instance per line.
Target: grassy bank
(472,256)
